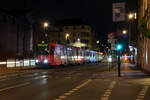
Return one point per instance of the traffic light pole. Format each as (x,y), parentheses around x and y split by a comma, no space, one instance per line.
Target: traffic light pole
(119,64)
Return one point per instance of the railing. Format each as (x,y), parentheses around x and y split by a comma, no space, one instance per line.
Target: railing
(10,63)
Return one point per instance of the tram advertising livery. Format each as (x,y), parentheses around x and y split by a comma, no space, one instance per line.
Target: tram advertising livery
(53,54)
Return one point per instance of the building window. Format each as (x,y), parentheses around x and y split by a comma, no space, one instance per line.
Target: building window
(66,27)
(73,28)
(82,27)
(73,33)
(85,34)
(84,41)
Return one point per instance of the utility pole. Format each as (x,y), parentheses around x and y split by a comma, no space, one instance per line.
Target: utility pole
(119,48)
(119,64)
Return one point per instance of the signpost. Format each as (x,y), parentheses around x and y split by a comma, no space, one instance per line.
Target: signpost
(118,11)
(119,15)
(109,62)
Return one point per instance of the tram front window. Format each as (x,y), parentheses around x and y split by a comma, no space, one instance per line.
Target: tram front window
(43,50)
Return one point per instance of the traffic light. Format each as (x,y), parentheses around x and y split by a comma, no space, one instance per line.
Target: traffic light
(119,47)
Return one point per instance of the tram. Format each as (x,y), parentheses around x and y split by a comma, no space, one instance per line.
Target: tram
(53,54)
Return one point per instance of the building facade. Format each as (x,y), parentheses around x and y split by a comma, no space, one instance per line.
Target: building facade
(143,37)
(84,33)
(16,36)
(67,35)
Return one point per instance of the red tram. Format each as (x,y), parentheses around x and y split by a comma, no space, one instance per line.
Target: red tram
(56,54)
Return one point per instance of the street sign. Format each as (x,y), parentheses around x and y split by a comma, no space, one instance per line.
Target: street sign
(113,46)
(110,35)
(118,12)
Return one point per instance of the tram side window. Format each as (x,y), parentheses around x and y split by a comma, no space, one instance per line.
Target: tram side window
(81,54)
(52,50)
(74,52)
(87,54)
(61,51)
(64,51)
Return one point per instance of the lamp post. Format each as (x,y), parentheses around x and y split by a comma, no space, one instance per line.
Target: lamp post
(67,37)
(97,47)
(45,24)
(109,62)
(131,16)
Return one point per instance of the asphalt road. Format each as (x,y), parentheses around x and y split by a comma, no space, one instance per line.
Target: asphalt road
(83,82)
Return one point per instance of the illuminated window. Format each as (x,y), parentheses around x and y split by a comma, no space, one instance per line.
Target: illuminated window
(146,58)
(82,27)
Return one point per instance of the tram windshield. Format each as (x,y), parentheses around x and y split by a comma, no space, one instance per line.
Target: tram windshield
(43,49)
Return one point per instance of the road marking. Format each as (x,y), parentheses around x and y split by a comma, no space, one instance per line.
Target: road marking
(142,93)
(70,91)
(106,95)
(104,98)
(73,90)
(1,77)
(67,93)
(68,77)
(62,97)
(108,91)
(140,97)
(15,86)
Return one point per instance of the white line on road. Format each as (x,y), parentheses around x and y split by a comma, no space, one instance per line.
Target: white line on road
(15,86)
(108,91)
(62,97)
(73,90)
(142,93)
(2,77)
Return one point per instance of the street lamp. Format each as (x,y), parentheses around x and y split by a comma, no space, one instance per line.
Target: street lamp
(132,16)
(45,24)
(124,32)
(78,39)
(67,36)
(97,41)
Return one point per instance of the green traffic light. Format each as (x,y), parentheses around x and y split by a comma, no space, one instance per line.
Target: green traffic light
(118,46)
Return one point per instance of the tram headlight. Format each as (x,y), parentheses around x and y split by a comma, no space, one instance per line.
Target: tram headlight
(45,61)
(36,60)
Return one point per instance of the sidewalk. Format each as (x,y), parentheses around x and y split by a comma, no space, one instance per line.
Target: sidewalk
(128,71)
(14,69)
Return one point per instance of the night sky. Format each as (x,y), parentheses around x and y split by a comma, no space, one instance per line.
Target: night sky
(97,13)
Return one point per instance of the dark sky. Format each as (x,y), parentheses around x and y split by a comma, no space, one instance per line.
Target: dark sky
(98,13)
